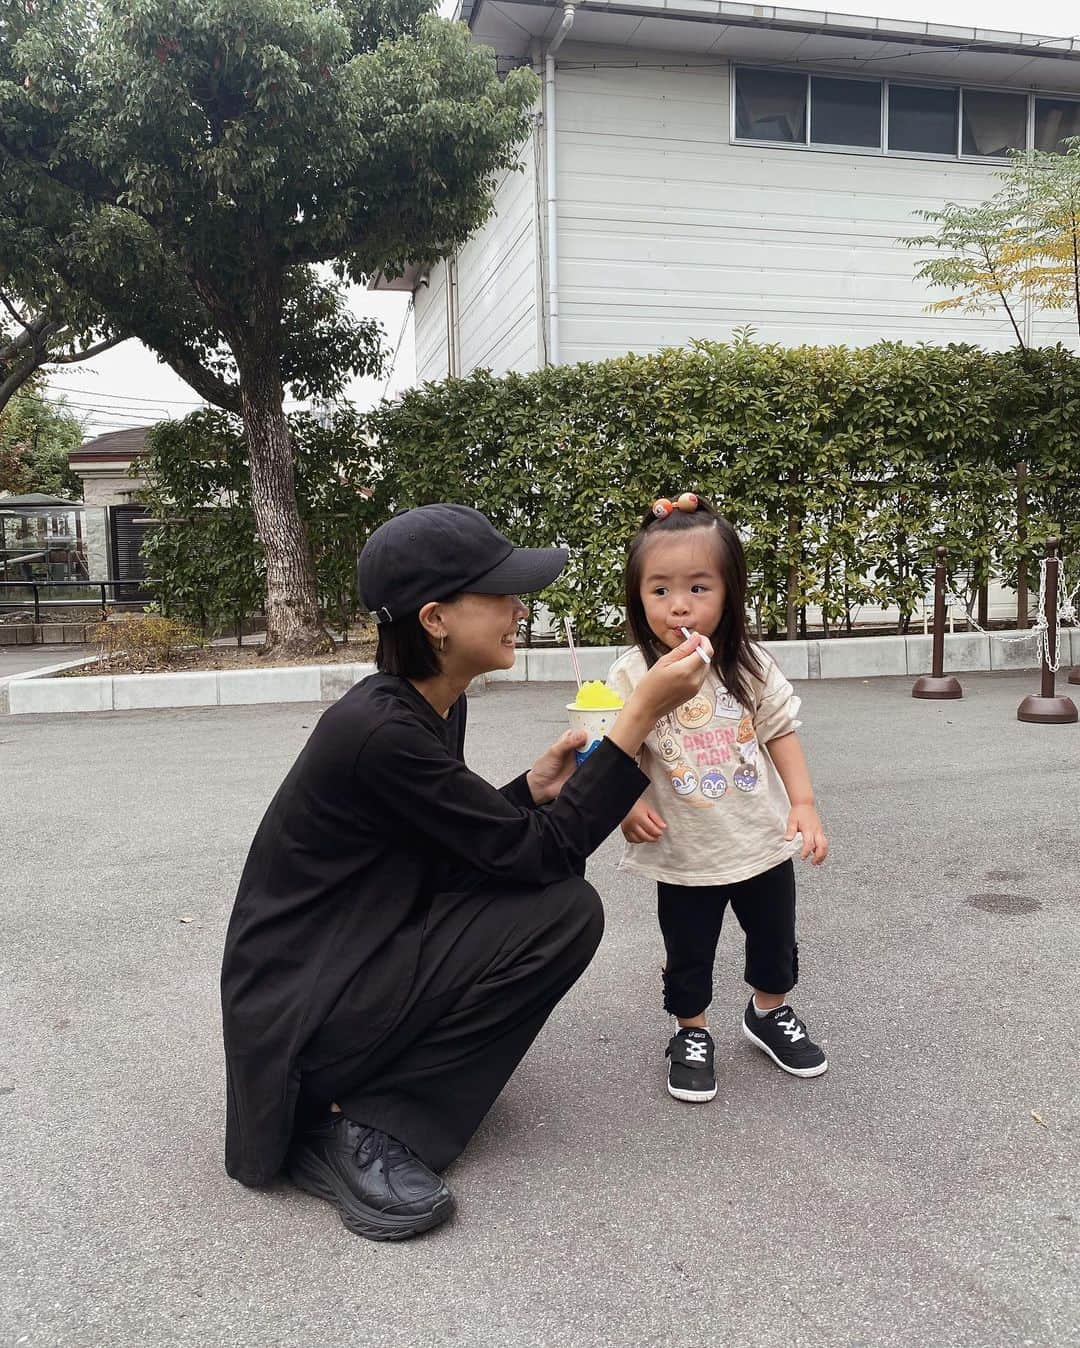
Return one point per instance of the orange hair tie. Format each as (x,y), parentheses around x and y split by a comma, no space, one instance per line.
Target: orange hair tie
(662,507)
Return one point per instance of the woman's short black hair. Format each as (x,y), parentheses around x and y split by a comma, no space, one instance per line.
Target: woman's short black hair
(406,649)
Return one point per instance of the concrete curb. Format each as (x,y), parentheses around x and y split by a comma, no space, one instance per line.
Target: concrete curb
(6,682)
(35,691)
(842,658)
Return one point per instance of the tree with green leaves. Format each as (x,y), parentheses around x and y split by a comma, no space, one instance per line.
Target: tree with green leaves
(42,321)
(1020,247)
(1048,188)
(983,258)
(36,436)
(35,336)
(204,560)
(199,166)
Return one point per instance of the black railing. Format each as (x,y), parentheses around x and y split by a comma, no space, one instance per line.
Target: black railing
(135,594)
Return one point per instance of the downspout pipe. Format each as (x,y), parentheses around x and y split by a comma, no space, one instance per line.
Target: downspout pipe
(550,129)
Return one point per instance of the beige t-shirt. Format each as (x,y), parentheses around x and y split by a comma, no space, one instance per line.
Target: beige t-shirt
(712,781)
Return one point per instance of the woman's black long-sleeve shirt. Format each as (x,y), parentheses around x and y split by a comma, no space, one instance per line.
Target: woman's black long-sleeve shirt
(330,911)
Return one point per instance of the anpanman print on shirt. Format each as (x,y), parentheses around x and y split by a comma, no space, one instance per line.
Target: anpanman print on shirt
(697,712)
(718,751)
(666,744)
(712,782)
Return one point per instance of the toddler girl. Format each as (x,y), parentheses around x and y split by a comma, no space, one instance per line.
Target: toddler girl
(729,793)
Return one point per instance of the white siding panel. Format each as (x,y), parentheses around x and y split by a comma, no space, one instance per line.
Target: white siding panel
(496,273)
(496,288)
(668,231)
(430,319)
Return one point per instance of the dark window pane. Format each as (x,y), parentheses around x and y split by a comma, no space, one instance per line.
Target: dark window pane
(1055,120)
(845,112)
(770,106)
(922,120)
(994,124)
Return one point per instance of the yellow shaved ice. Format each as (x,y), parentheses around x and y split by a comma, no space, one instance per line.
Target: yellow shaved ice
(597,696)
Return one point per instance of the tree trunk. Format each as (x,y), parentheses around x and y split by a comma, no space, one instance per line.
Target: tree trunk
(984,605)
(794,524)
(1021,538)
(292,610)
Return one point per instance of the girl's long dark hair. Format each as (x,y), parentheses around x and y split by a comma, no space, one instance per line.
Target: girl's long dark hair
(734,657)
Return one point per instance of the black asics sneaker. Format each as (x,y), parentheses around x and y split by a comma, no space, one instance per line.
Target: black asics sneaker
(782,1035)
(380,1189)
(690,1074)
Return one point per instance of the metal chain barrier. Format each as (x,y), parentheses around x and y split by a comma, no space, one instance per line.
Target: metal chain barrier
(1066,613)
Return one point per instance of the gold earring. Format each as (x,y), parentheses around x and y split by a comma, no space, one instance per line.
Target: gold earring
(442,643)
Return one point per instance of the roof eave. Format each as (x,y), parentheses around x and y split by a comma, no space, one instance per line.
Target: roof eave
(736,14)
(410,279)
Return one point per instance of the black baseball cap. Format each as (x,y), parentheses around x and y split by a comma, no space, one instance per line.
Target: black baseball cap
(436,551)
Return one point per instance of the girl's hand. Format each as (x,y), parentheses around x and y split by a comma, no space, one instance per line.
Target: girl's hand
(553,769)
(642,824)
(805,819)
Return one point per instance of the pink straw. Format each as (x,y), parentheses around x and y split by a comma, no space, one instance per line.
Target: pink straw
(573,653)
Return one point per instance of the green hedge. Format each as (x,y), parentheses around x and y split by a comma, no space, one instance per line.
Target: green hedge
(843,468)
(205,561)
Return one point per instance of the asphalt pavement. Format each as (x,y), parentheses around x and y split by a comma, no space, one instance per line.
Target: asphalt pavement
(924,1192)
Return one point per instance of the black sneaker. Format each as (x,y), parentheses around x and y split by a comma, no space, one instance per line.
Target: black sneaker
(782,1035)
(690,1074)
(380,1189)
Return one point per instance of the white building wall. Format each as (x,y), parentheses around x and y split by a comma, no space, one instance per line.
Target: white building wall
(670,231)
(429,318)
(496,270)
(496,315)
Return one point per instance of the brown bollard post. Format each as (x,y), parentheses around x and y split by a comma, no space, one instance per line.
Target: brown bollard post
(1074,675)
(1048,708)
(936,684)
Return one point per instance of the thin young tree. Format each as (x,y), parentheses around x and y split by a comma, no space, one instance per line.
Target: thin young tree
(1019,248)
(1047,186)
(196,161)
(983,256)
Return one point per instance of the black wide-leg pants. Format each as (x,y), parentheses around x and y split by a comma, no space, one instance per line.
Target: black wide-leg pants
(493,964)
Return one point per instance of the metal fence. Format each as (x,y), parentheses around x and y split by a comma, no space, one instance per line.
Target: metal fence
(123,592)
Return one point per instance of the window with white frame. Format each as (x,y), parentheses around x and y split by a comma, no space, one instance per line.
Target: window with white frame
(845,112)
(770,105)
(1056,120)
(992,124)
(923,120)
(896,116)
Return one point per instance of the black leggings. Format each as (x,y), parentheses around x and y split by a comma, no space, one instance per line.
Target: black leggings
(691,918)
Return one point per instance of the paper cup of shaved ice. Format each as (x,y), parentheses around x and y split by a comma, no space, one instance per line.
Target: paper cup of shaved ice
(593,710)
